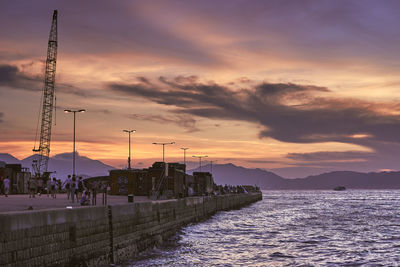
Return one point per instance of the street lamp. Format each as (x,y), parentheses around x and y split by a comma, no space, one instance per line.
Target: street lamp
(129,158)
(184,155)
(163,148)
(73,155)
(211,164)
(200,157)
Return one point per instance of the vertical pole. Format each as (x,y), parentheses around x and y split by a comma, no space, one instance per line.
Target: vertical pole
(74,149)
(163,150)
(184,158)
(129,158)
(200,164)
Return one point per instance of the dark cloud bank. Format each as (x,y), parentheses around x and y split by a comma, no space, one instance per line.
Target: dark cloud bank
(11,76)
(286,112)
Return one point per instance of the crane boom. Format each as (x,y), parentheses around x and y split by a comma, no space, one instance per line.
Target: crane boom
(48,99)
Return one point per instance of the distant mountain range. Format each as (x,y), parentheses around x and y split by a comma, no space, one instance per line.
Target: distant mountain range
(235,175)
(62,164)
(232,174)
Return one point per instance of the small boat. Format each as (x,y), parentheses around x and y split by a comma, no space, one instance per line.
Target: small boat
(339,188)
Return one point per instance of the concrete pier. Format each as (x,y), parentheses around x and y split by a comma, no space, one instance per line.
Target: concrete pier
(100,235)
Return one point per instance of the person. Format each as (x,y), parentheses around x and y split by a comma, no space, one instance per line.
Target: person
(6,183)
(39,186)
(94,192)
(84,199)
(67,186)
(32,187)
(59,186)
(73,188)
(53,184)
(1,184)
(79,187)
(48,186)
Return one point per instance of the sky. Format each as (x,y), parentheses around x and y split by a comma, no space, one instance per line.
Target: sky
(294,87)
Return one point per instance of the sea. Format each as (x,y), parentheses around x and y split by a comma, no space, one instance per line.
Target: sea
(291,228)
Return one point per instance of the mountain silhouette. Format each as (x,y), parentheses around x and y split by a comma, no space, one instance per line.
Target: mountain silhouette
(62,164)
(231,174)
(236,175)
(9,159)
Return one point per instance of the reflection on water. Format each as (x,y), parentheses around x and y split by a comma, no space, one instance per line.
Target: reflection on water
(292,228)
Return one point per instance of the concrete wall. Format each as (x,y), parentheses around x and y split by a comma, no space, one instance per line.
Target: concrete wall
(98,236)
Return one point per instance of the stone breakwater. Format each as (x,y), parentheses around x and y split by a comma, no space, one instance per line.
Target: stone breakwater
(100,235)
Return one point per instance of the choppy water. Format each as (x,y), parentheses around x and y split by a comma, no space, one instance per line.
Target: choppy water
(292,228)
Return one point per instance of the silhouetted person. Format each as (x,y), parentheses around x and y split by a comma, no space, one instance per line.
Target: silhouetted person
(73,188)
(79,188)
(32,187)
(6,184)
(67,186)
(94,192)
(1,184)
(39,186)
(53,187)
(84,199)
(48,187)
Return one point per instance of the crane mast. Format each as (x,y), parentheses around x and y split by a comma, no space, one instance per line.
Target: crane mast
(48,99)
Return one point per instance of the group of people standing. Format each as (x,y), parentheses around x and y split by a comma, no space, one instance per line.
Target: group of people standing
(76,189)
(36,187)
(74,186)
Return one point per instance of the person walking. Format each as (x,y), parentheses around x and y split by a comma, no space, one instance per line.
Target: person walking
(32,187)
(67,186)
(1,184)
(53,187)
(80,188)
(73,188)
(6,184)
(48,186)
(39,186)
(94,192)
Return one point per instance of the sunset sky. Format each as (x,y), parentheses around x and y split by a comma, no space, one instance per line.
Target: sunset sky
(295,87)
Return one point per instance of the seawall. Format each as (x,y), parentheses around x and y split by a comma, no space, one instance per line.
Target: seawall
(100,235)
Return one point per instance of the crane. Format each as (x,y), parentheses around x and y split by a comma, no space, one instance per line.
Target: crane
(40,166)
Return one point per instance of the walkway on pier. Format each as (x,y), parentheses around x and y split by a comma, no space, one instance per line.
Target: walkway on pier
(23,202)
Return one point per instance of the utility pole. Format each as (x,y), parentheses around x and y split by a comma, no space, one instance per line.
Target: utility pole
(129,158)
(200,157)
(163,148)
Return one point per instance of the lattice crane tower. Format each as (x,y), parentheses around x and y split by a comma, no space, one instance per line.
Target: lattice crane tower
(48,100)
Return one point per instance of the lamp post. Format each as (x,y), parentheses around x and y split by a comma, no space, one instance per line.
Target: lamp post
(73,155)
(184,155)
(200,157)
(163,148)
(211,164)
(129,158)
